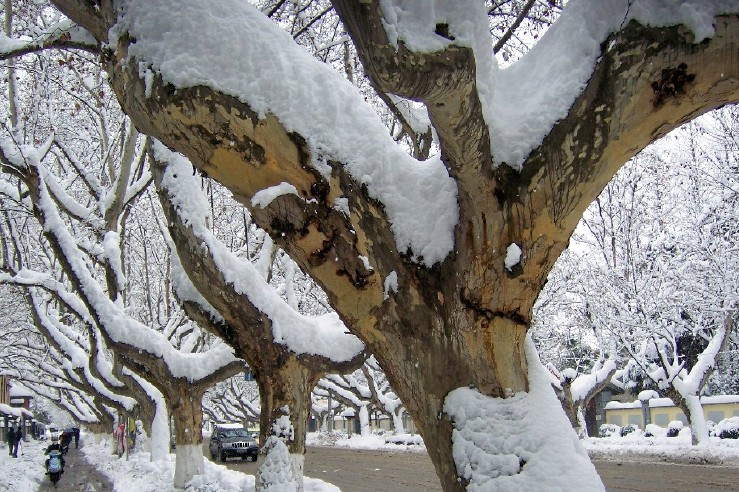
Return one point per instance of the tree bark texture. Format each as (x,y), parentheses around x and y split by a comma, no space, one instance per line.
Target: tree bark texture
(464,321)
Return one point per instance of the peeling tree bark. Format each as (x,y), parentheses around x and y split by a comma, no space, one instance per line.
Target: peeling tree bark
(464,321)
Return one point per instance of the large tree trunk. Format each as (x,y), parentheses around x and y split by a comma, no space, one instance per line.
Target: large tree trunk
(424,372)
(187,411)
(284,394)
(102,431)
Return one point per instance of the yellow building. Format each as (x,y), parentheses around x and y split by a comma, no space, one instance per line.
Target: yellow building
(662,411)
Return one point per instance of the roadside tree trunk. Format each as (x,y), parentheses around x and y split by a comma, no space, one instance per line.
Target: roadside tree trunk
(102,431)
(187,411)
(585,387)
(285,378)
(285,400)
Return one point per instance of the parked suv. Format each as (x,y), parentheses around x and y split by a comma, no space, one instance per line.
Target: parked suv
(229,442)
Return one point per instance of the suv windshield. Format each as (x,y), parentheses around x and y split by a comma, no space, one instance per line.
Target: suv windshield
(233,433)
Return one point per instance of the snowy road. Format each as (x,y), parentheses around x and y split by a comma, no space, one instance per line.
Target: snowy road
(78,476)
(369,471)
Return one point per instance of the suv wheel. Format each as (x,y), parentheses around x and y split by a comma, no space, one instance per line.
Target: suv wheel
(223,457)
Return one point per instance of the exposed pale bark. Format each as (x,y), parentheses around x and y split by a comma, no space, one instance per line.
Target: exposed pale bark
(462,322)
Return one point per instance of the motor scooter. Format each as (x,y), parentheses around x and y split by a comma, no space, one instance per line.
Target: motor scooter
(54,466)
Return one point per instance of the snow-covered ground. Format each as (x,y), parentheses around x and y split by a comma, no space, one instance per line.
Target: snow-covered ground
(138,474)
(24,472)
(665,449)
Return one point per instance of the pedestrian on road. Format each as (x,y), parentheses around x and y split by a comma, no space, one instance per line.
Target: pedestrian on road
(11,440)
(66,439)
(17,436)
(76,437)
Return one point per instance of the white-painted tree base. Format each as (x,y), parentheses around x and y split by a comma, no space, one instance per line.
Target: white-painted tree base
(189,462)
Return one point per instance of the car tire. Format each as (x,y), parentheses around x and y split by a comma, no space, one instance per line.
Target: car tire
(223,457)
(254,458)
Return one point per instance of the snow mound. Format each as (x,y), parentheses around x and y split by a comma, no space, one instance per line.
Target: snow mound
(531,441)
(275,470)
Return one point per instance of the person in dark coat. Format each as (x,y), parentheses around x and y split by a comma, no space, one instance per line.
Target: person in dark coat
(76,431)
(54,446)
(11,440)
(66,439)
(17,436)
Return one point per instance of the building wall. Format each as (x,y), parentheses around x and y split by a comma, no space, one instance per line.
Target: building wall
(663,415)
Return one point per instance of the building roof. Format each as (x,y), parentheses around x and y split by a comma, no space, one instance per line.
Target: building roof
(14,411)
(17,390)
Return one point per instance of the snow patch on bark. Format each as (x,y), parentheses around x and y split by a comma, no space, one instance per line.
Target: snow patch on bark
(390,284)
(512,256)
(280,471)
(532,443)
(263,198)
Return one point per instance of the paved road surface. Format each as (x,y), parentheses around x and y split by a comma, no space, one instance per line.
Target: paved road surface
(665,477)
(373,471)
(78,476)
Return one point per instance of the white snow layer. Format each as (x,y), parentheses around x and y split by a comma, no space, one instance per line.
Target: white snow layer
(276,471)
(120,327)
(512,256)
(264,68)
(518,443)
(264,197)
(585,382)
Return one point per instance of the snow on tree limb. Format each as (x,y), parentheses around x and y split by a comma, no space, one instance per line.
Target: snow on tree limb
(62,35)
(325,335)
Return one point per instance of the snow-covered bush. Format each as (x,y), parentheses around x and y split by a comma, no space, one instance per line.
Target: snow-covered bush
(628,429)
(654,430)
(728,428)
(330,438)
(674,428)
(404,439)
(711,426)
(609,430)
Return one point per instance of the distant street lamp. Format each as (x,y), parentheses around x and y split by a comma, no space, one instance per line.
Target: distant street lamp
(644,397)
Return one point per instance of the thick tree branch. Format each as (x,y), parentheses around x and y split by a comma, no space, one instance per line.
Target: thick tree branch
(443,80)
(95,15)
(647,82)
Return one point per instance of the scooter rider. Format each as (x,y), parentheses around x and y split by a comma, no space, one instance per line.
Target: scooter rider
(54,446)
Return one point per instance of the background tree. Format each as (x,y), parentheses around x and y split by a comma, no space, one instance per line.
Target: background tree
(653,268)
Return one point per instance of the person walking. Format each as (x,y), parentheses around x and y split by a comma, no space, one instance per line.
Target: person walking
(17,436)
(11,440)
